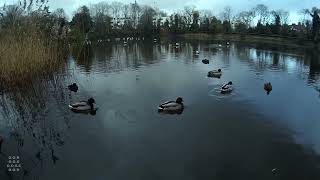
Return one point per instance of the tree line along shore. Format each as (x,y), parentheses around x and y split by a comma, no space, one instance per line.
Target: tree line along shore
(33,37)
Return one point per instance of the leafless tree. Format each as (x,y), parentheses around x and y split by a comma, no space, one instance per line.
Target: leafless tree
(263,13)
(284,15)
(245,17)
(59,13)
(188,13)
(310,12)
(116,10)
(226,14)
(305,13)
(102,8)
(125,9)
(135,13)
(205,13)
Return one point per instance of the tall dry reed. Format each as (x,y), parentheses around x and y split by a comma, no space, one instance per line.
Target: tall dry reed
(28,55)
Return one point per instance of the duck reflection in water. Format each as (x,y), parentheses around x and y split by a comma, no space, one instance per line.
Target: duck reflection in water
(91,112)
(1,141)
(53,157)
(178,112)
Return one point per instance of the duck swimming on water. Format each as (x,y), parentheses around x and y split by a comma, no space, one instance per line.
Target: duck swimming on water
(205,61)
(215,73)
(226,88)
(73,87)
(172,106)
(268,87)
(84,106)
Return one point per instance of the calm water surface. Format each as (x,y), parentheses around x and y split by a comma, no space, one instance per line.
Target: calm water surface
(245,135)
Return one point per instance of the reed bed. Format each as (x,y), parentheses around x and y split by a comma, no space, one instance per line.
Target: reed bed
(28,55)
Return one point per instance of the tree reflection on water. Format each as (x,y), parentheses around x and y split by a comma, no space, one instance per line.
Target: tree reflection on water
(28,130)
(36,118)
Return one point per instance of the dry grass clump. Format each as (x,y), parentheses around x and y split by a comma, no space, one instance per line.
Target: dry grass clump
(28,55)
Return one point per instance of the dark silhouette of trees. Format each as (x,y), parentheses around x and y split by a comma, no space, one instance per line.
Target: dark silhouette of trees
(146,24)
(226,16)
(188,15)
(312,30)
(315,23)
(205,25)
(118,19)
(243,21)
(82,19)
(195,21)
(102,26)
(277,24)
(263,13)
(226,27)
(81,23)
(215,25)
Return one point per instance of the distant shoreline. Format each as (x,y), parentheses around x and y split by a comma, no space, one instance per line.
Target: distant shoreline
(278,40)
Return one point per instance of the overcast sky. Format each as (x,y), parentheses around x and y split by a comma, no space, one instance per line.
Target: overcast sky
(215,5)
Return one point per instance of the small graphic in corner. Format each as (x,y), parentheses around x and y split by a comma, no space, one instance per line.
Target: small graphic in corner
(13,164)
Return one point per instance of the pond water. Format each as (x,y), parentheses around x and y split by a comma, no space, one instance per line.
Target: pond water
(243,135)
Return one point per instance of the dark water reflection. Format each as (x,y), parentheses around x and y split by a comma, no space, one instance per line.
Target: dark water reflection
(244,135)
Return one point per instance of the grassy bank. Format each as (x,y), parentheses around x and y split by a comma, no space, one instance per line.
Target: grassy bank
(278,40)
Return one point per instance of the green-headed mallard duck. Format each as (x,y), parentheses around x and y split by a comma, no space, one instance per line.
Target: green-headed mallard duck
(215,73)
(172,106)
(84,106)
